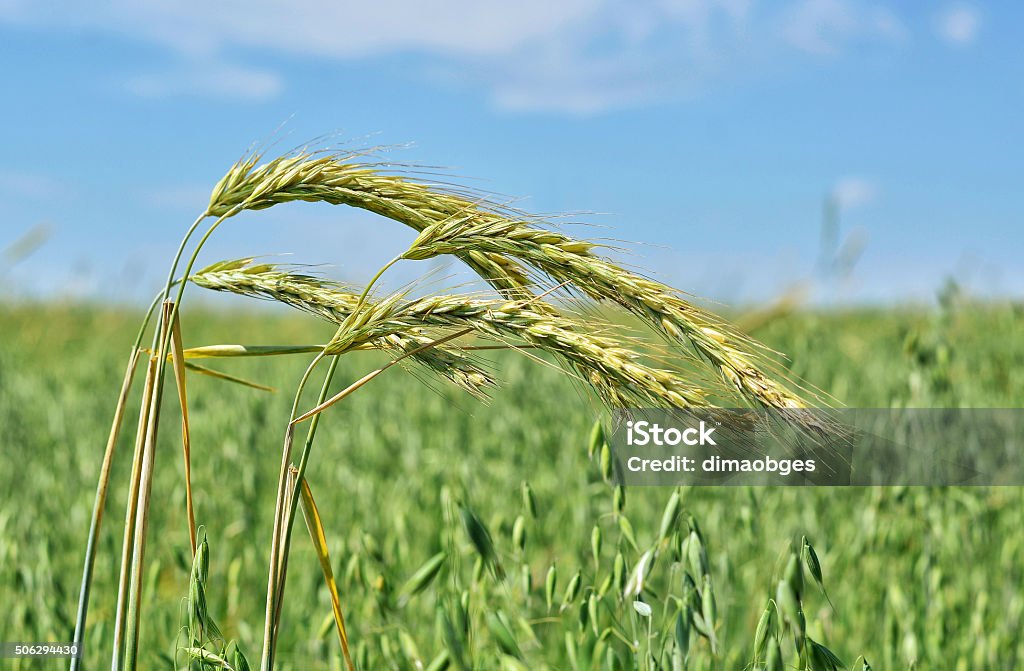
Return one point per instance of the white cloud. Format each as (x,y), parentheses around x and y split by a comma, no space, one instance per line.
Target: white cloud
(852,191)
(211,80)
(318,27)
(819,26)
(826,26)
(958,25)
(577,56)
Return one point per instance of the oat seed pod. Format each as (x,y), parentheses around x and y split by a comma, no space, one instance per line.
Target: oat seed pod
(529,502)
(550,584)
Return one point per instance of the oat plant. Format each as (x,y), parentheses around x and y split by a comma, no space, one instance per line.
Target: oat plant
(540,280)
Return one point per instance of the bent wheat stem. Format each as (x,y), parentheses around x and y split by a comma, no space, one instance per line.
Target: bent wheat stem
(134,612)
(103,483)
(100,502)
(120,612)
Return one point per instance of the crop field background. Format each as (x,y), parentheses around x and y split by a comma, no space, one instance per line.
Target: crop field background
(417,260)
(916,576)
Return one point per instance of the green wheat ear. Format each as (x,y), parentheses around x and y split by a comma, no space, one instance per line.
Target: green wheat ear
(608,364)
(331,301)
(508,250)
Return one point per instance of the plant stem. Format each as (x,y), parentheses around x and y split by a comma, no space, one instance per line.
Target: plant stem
(117,660)
(144,494)
(289,513)
(103,484)
(272,577)
(136,517)
(279,545)
(181,250)
(99,504)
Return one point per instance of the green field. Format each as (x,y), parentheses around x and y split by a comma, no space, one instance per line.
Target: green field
(927,578)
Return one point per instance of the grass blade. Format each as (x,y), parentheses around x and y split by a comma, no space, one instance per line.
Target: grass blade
(178,361)
(316,532)
(202,370)
(231,351)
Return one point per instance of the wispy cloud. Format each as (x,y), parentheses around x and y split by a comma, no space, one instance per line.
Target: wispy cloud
(210,80)
(826,27)
(318,27)
(958,25)
(576,56)
(623,55)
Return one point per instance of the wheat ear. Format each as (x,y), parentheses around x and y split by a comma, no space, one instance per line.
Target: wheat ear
(607,363)
(503,247)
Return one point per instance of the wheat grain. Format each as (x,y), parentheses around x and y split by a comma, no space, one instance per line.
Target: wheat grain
(500,246)
(607,364)
(264,280)
(567,260)
(327,178)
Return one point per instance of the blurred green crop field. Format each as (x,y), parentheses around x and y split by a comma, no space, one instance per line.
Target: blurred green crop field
(932,577)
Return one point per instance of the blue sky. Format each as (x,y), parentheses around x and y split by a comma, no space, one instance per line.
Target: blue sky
(707,133)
